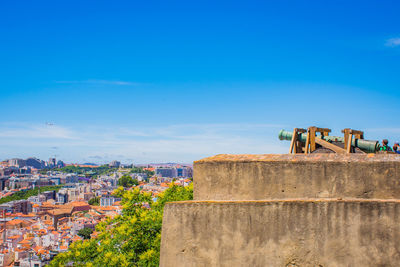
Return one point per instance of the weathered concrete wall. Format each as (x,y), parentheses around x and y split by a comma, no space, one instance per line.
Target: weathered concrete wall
(281,233)
(256,177)
(287,210)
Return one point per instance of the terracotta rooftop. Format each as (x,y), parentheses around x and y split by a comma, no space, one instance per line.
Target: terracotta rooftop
(19,214)
(15,222)
(76,238)
(77,204)
(29,215)
(21,249)
(25,241)
(60,211)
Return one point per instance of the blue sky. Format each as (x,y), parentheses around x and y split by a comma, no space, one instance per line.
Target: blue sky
(162,81)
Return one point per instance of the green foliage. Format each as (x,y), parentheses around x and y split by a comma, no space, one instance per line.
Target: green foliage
(73,169)
(88,171)
(44,171)
(85,232)
(32,192)
(94,201)
(132,239)
(127,181)
(94,172)
(149,173)
(136,170)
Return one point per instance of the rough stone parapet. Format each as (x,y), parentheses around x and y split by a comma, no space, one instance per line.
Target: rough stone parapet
(255,177)
(301,157)
(287,210)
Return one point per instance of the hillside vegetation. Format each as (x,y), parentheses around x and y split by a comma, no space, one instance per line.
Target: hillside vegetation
(28,193)
(131,239)
(94,172)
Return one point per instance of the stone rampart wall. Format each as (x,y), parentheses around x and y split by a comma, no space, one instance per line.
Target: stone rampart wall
(256,177)
(287,210)
(281,233)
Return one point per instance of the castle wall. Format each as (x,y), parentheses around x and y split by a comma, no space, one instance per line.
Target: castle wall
(287,210)
(256,177)
(281,233)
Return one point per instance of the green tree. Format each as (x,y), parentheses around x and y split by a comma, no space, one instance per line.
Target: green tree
(127,181)
(44,171)
(88,171)
(136,170)
(85,232)
(131,239)
(28,193)
(149,173)
(94,201)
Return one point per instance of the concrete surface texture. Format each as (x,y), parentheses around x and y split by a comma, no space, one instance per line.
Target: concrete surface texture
(281,233)
(247,177)
(287,210)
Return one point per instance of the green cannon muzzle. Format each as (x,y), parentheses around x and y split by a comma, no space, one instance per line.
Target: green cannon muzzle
(368,146)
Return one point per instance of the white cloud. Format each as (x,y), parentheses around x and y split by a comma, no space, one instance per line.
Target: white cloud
(392,42)
(99,82)
(28,131)
(173,143)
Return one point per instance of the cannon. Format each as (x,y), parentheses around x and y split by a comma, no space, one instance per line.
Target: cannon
(367,146)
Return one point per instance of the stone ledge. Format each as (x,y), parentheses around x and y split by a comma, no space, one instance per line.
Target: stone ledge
(257,177)
(287,200)
(301,157)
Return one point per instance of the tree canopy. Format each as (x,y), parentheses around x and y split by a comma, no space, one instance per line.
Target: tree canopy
(88,171)
(85,232)
(127,181)
(94,172)
(130,239)
(95,201)
(28,193)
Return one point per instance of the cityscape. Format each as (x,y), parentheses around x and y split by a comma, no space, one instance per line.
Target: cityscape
(47,205)
(199,133)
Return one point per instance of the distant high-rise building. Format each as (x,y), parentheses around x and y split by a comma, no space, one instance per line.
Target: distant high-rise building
(17,163)
(52,162)
(166,172)
(174,171)
(60,164)
(185,171)
(114,164)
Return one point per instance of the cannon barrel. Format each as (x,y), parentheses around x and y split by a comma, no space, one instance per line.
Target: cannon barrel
(369,146)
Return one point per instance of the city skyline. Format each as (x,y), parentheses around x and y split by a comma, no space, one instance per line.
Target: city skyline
(176,82)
